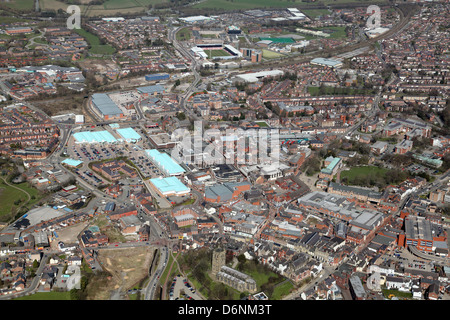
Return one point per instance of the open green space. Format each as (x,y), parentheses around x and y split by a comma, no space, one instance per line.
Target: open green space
(269,54)
(107,8)
(95,46)
(372,176)
(184,34)
(52,295)
(14,196)
(314,13)
(357,172)
(262,124)
(7,20)
(217,53)
(254,4)
(19,4)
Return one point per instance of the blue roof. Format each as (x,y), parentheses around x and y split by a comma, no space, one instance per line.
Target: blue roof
(94,136)
(72,162)
(164,162)
(169,185)
(128,134)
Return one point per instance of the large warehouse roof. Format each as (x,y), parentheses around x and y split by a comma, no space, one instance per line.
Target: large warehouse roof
(165,162)
(169,185)
(94,137)
(105,105)
(128,134)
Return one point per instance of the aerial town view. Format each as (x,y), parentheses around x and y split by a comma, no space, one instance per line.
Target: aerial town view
(225,150)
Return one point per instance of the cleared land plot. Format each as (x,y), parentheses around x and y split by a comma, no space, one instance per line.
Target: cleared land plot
(128,267)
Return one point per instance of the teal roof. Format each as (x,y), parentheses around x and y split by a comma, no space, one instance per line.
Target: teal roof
(329,169)
(164,162)
(169,185)
(95,136)
(128,134)
(72,162)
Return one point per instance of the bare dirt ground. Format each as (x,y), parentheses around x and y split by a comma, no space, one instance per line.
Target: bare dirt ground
(127,267)
(69,234)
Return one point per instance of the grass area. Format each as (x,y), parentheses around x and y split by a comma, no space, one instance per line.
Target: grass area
(163,277)
(184,34)
(109,7)
(262,124)
(94,42)
(362,171)
(217,53)
(19,4)
(369,176)
(11,197)
(314,13)
(282,290)
(253,4)
(269,54)
(7,20)
(52,295)
(338,32)
(396,293)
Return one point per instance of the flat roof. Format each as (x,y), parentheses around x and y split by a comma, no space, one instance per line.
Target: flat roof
(72,162)
(327,62)
(165,162)
(129,134)
(105,105)
(256,76)
(169,185)
(151,89)
(94,136)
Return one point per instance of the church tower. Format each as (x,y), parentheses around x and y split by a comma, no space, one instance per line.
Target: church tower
(218,260)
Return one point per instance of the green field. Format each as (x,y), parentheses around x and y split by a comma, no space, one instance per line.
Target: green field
(9,195)
(53,295)
(268,54)
(362,176)
(184,34)
(109,7)
(253,4)
(314,13)
(94,42)
(217,53)
(19,4)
